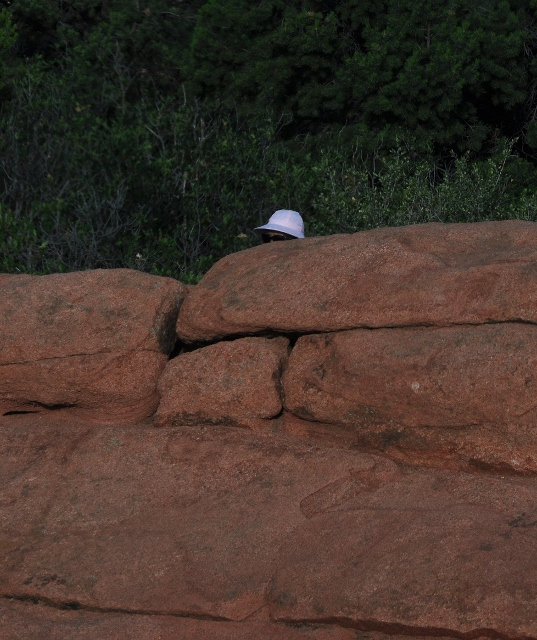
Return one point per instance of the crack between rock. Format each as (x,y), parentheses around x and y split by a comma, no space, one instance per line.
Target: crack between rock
(398,629)
(426,325)
(73,605)
(263,332)
(387,628)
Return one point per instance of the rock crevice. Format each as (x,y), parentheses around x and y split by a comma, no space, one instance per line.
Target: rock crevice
(387,629)
(72,605)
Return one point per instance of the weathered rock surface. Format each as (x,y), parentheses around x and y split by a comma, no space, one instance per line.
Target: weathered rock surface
(93,343)
(432,274)
(225,383)
(226,524)
(427,395)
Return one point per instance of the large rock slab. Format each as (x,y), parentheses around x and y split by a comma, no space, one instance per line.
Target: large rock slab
(173,521)
(436,571)
(439,396)
(90,343)
(223,524)
(432,274)
(234,382)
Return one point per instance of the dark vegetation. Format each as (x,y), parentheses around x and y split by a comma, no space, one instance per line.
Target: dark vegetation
(157,134)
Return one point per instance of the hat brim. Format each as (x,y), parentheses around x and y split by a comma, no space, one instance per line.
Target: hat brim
(280,228)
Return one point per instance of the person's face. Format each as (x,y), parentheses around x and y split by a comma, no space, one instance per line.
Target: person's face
(274,236)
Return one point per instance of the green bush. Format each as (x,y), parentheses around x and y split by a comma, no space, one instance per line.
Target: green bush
(400,190)
(166,189)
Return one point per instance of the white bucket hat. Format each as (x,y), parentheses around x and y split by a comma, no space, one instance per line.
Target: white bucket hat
(285,221)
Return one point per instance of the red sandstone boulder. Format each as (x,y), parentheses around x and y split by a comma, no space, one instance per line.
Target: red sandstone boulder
(225,383)
(440,396)
(432,274)
(223,524)
(92,342)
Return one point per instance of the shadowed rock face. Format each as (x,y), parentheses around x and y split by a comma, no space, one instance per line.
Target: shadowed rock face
(433,274)
(91,343)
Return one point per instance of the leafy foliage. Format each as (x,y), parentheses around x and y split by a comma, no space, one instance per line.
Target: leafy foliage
(8,37)
(447,71)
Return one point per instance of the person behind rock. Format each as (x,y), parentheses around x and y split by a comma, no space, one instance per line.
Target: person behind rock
(284,224)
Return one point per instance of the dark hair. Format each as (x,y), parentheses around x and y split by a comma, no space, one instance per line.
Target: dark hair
(274,236)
